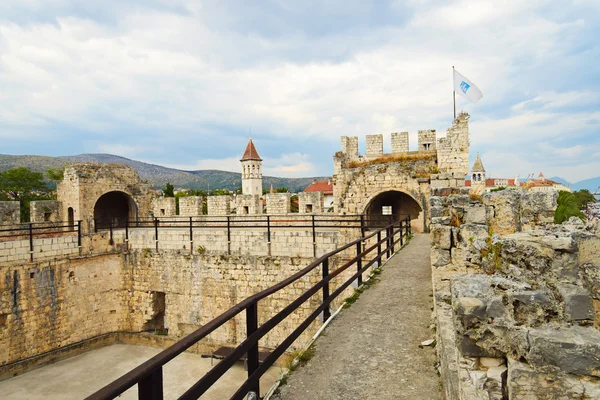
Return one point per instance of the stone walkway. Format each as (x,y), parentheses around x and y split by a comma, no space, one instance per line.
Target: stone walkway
(371,350)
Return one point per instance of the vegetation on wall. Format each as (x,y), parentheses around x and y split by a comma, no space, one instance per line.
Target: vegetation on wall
(394,158)
(568,206)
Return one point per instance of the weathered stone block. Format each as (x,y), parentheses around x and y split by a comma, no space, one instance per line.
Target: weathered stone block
(475,215)
(526,383)
(441,236)
(573,349)
(440,257)
(577,301)
(470,311)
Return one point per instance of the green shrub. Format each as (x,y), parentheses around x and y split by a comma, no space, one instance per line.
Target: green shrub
(568,206)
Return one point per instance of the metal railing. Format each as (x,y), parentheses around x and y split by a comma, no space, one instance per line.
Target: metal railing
(149,375)
(268,223)
(32,230)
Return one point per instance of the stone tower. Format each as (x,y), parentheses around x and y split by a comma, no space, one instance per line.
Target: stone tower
(251,171)
(478,174)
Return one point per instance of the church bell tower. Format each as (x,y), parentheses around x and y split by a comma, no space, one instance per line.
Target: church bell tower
(251,171)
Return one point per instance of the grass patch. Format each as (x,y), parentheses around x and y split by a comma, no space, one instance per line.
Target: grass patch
(416,156)
(365,285)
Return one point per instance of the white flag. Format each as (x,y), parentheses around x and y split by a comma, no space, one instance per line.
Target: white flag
(466,88)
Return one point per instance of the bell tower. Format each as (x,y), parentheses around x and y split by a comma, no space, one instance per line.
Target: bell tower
(251,171)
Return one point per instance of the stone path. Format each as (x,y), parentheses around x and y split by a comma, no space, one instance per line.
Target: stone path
(371,350)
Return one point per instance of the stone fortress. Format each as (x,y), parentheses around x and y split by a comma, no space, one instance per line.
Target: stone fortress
(506,285)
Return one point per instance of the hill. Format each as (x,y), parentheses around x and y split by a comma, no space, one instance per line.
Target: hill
(591,184)
(157,175)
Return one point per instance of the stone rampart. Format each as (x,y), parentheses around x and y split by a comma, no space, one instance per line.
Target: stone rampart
(164,206)
(278,203)
(218,205)
(515,298)
(10,212)
(50,246)
(45,211)
(190,206)
(248,204)
(310,202)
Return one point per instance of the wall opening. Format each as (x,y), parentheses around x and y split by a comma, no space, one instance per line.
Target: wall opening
(156,320)
(162,211)
(309,208)
(393,206)
(246,210)
(71,216)
(47,216)
(114,208)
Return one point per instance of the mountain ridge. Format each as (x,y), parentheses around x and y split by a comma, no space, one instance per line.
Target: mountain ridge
(156,174)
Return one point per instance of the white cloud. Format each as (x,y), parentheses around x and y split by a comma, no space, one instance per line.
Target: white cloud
(175,73)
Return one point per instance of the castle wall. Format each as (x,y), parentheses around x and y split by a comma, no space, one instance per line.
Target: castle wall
(400,142)
(374,146)
(47,305)
(218,205)
(49,247)
(453,150)
(10,212)
(164,207)
(278,203)
(248,204)
(310,202)
(45,211)
(190,206)
(427,140)
(515,297)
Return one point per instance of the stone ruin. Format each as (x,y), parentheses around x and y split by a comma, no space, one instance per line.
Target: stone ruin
(517,298)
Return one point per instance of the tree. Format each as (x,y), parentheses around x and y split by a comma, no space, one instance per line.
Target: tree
(584,196)
(55,174)
(568,206)
(169,190)
(22,184)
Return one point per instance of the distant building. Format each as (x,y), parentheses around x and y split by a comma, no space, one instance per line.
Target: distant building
(542,184)
(480,183)
(325,187)
(251,171)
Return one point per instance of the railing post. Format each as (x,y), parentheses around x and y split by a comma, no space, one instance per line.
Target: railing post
(325,275)
(269,234)
(78,233)
(156,233)
(151,387)
(359,262)
(392,237)
(228,235)
(110,229)
(191,237)
(387,245)
(251,327)
(30,241)
(401,233)
(379,249)
(314,236)
(127,234)
(362,226)
(408,227)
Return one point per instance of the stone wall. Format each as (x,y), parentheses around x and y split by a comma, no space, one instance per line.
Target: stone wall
(164,207)
(278,203)
(47,305)
(190,206)
(400,142)
(48,246)
(310,202)
(248,204)
(515,298)
(427,140)
(350,146)
(45,211)
(453,150)
(10,212)
(218,205)
(374,146)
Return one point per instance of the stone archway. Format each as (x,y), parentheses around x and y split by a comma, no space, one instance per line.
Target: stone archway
(394,205)
(114,208)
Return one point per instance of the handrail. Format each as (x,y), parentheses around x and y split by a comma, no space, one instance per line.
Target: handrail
(148,375)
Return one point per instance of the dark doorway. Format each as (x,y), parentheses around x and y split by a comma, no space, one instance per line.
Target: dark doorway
(391,206)
(71,217)
(114,208)
(156,322)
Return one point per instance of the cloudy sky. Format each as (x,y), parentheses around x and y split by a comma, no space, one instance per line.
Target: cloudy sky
(180,82)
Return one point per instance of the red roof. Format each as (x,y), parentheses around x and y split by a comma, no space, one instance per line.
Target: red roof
(250,153)
(490,182)
(320,186)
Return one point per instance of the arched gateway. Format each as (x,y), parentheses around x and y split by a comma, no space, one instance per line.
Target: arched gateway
(394,205)
(114,208)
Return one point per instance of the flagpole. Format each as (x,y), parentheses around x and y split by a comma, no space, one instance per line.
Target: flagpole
(453,92)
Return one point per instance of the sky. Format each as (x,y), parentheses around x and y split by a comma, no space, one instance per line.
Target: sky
(184,83)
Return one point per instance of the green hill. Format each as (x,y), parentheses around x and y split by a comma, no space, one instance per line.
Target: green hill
(156,174)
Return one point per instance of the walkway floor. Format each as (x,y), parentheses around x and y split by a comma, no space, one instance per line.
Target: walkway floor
(371,350)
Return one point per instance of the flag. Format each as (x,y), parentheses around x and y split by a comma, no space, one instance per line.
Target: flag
(466,88)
